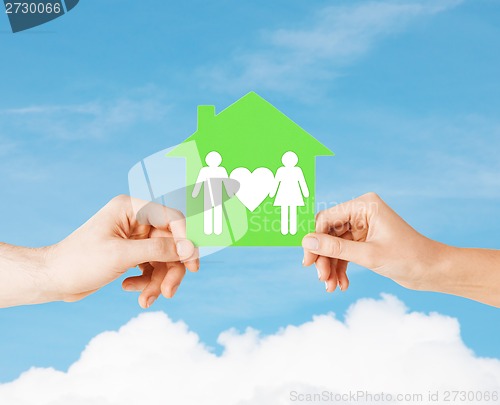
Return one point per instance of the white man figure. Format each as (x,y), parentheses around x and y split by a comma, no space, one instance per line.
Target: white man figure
(212,178)
(290,189)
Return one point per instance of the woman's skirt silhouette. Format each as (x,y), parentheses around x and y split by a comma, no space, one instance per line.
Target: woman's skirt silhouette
(289,195)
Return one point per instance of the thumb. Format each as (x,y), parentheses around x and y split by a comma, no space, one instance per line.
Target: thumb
(339,248)
(137,251)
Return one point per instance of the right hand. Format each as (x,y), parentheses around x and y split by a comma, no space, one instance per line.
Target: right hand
(368,232)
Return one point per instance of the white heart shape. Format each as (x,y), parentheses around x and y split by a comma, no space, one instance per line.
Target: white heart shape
(254,186)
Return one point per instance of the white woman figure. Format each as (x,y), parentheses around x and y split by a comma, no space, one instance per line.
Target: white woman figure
(290,188)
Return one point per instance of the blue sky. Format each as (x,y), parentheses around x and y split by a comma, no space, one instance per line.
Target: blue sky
(406,94)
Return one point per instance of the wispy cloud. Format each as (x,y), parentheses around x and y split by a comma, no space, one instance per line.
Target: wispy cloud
(420,156)
(7,146)
(92,119)
(28,134)
(380,347)
(291,59)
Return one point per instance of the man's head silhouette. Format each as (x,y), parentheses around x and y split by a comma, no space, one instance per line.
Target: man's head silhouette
(213,159)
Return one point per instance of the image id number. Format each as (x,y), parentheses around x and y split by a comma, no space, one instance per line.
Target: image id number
(33,8)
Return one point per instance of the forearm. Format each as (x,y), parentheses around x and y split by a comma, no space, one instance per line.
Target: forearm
(23,276)
(470,273)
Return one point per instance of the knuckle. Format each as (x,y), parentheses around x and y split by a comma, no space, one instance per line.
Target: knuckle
(371,196)
(118,203)
(157,247)
(172,215)
(119,199)
(177,214)
(321,219)
(338,226)
(319,215)
(335,248)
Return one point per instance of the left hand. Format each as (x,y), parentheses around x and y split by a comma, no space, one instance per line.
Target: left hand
(125,233)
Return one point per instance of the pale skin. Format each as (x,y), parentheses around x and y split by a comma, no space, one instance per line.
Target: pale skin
(128,232)
(366,231)
(125,233)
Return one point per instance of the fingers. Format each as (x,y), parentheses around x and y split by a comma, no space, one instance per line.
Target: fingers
(139,283)
(336,217)
(355,212)
(342,267)
(134,251)
(163,278)
(152,291)
(323,267)
(189,255)
(309,258)
(332,281)
(333,273)
(336,228)
(342,278)
(165,218)
(339,248)
(322,226)
(172,280)
(136,283)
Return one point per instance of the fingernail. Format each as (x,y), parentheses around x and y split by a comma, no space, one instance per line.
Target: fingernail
(319,274)
(303,260)
(340,286)
(184,248)
(326,285)
(150,302)
(310,243)
(128,287)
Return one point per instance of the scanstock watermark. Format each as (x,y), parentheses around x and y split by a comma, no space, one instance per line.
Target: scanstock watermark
(27,14)
(365,397)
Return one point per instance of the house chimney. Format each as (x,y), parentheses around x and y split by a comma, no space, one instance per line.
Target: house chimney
(206,115)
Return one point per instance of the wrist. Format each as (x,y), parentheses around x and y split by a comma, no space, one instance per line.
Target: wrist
(45,283)
(37,272)
(443,271)
(433,267)
(49,286)
(28,275)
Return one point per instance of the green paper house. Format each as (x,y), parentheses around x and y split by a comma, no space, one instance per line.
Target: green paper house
(250,176)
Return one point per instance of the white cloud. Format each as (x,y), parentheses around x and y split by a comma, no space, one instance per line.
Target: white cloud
(290,59)
(152,360)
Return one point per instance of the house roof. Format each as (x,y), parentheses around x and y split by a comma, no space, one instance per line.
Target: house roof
(252,125)
(255,112)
